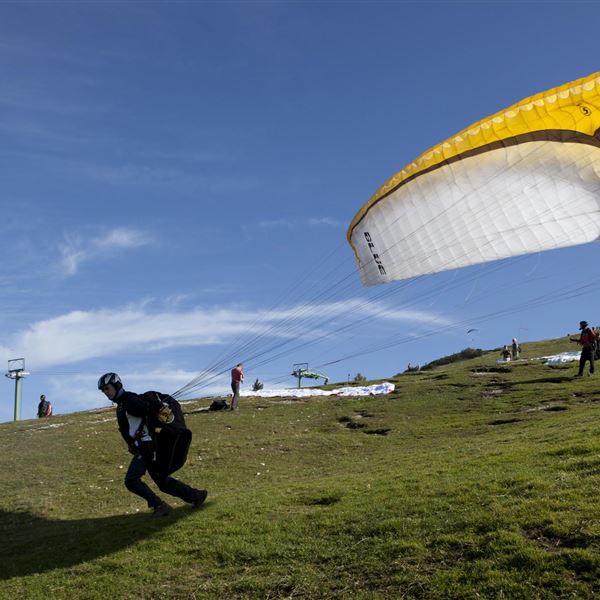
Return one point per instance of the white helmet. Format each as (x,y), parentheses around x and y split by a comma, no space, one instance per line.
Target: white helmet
(110,378)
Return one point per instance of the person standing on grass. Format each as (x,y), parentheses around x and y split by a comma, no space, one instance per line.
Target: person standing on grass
(44,408)
(515,349)
(237,378)
(588,340)
(138,428)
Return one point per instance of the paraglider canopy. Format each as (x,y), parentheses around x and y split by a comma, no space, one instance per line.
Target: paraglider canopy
(523,180)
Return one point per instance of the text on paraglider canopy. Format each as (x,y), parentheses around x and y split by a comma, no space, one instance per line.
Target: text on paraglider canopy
(376,257)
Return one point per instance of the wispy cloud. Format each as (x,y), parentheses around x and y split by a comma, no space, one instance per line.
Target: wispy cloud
(295,223)
(315,222)
(76,249)
(82,335)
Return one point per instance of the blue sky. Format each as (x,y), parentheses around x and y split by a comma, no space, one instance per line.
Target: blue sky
(177,178)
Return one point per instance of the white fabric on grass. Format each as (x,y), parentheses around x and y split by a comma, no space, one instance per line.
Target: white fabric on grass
(563,357)
(368,390)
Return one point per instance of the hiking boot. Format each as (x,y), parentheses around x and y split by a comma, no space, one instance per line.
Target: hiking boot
(199,498)
(162,510)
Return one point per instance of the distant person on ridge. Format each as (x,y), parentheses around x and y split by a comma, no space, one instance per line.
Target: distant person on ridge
(237,378)
(588,340)
(44,408)
(138,428)
(506,353)
(515,349)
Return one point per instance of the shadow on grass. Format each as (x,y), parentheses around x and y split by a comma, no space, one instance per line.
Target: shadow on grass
(33,544)
(563,379)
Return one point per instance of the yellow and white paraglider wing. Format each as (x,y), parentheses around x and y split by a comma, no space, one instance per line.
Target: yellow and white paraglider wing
(523,180)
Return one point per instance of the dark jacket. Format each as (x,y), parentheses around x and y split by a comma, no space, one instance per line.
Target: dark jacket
(167,451)
(44,409)
(132,404)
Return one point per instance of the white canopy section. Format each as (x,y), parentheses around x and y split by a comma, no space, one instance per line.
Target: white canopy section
(498,203)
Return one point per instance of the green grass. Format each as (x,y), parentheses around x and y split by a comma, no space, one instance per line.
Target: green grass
(465,483)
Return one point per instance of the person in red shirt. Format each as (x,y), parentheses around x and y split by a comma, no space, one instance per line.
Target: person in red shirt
(588,340)
(237,377)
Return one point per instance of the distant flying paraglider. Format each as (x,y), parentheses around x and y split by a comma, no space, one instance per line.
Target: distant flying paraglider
(471,330)
(523,180)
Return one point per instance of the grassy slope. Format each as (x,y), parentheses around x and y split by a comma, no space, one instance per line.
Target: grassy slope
(485,485)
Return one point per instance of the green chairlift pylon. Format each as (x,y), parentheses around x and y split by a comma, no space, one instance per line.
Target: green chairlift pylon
(301,370)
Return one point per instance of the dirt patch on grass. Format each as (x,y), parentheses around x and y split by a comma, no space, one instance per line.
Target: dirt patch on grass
(547,408)
(547,380)
(554,540)
(51,426)
(587,396)
(492,392)
(487,370)
(554,380)
(322,500)
(351,423)
(363,414)
(316,498)
(354,425)
(382,431)
(504,421)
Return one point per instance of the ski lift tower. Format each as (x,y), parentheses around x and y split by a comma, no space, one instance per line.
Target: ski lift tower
(301,370)
(16,371)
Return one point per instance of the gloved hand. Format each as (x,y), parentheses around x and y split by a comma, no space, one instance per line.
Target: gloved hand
(132,449)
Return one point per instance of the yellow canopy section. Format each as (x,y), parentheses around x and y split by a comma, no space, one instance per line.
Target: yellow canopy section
(573,107)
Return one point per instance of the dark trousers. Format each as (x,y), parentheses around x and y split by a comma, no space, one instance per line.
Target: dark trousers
(586,354)
(235,386)
(133,482)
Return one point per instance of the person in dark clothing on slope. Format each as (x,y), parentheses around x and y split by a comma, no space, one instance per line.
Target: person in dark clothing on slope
(137,429)
(44,408)
(588,340)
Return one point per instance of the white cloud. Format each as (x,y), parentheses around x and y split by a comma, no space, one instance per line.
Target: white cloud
(163,378)
(295,223)
(76,249)
(111,337)
(325,221)
(82,335)
(120,238)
